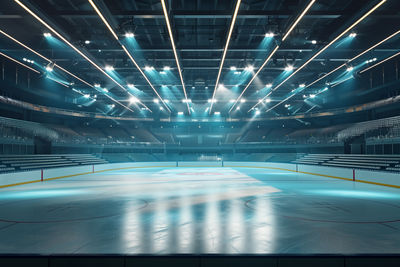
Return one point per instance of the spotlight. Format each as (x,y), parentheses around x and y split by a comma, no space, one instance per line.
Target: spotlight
(289,68)
(87,42)
(46,34)
(238,108)
(86,96)
(148,68)
(217,113)
(163,72)
(314,41)
(249,68)
(257,112)
(129,35)
(186,100)
(167,68)
(50,67)
(268,85)
(105,90)
(212,100)
(242,100)
(267,100)
(353,34)
(349,68)
(133,100)
(231,100)
(220,86)
(161,108)
(156,100)
(131,85)
(166,100)
(302,85)
(269,35)
(206,87)
(237,72)
(180,113)
(109,68)
(312,95)
(233,68)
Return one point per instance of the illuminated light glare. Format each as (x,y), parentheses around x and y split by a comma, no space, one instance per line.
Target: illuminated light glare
(212,100)
(242,100)
(268,85)
(171,37)
(87,42)
(353,34)
(249,68)
(156,100)
(166,100)
(49,69)
(105,90)
(193,87)
(269,35)
(167,68)
(237,72)
(312,96)
(113,105)
(129,35)
(97,85)
(46,34)
(206,87)
(324,48)
(86,96)
(232,68)
(349,68)
(186,100)
(257,112)
(231,100)
(163,72)
(225,49)
(298,19)
(380,62)
(313,41)
(148,68)
(267,100)
(109,68)
(220,86)
(287,105)
(217,113)
(161,108)
(130,85)
(302,85)
(238,108)
(289,68)
(133,100)
(180,113)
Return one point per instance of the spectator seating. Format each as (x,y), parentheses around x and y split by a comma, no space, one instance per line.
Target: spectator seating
(30,162)
(375,162)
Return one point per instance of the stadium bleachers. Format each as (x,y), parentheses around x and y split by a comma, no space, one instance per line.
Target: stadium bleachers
(374,162)
(30,162)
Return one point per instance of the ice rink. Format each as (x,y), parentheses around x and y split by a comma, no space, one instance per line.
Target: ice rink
(199,210)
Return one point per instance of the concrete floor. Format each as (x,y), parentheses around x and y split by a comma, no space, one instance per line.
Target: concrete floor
(199,210)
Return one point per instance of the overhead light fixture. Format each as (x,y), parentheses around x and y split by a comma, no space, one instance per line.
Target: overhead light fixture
(129,35)
(237,72)
(269,35)
(20,63)
(268,85)
(312,96)
(105,90)
(50,67)
(380,62)
(228,39)
(131,86)
(46,34)
(322,50)
(167,68)
(267,100)
(163,72)
(217,113)
(314,42)
(166,101)
(289,68)
(87,42)
(242,100)
(180,113)
(257,112)
(302,85)
(353,34)
(206,87)
(231,100)
(86,95)
(148,68)
(164,7)
(233,68)
(212,100)
(133,100)
(156,100)
(298,20)
(238,108)
(354,58)
(109,68)
(59,67)
(349,68)
(161,108)
(249,68)
(186,100)
(287,105)
(97,85)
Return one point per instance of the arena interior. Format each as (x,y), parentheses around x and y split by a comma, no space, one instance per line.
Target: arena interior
(199,133)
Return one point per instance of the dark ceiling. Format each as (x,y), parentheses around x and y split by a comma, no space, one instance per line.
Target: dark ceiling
(200,29)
